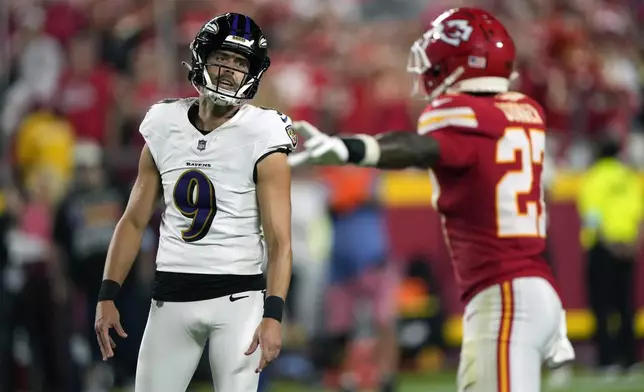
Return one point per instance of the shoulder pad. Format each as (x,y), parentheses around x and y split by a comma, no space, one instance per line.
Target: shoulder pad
(284,122)
(167,100)
(279,126)
(533,111)
(512,96)
(285,119)
(153,112)
(181,101)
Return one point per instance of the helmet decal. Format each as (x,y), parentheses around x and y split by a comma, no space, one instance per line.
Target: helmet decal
(454,32)
(465,49)
(212,27)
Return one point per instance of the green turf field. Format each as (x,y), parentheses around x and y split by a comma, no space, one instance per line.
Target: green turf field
(445,383)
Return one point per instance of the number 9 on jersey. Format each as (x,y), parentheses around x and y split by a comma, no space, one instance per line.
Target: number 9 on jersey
(194,197)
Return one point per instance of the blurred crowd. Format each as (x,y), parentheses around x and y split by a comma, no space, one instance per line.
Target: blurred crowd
(77,77)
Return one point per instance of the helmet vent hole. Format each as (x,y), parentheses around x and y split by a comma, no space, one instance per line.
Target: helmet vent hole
(436,70)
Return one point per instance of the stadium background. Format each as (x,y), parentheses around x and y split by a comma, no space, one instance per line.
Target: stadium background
(337,63)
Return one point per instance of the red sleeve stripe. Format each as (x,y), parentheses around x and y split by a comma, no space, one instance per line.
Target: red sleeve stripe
(441,118)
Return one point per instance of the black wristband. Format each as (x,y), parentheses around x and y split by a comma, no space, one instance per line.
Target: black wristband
(109,290)
(356,148)
(273,307)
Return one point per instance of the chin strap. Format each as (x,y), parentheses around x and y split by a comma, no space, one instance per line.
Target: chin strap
(447,83)
(212,95)
(187,65)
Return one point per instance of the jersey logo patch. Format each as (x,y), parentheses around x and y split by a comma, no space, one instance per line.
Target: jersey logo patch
(233,299)
(201,145)
(291,134)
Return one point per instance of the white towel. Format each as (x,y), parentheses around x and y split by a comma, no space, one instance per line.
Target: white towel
(561,350)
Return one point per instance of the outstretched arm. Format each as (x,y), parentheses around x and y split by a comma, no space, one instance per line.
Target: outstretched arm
(393,150)
(447,147)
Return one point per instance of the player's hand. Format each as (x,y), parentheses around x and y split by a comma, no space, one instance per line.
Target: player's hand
(107,316)
(268,337)
(319,149)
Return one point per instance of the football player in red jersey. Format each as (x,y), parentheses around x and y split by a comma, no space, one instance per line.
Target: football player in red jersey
(484,147)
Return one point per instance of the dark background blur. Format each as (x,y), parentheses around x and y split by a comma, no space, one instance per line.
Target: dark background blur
(77,77)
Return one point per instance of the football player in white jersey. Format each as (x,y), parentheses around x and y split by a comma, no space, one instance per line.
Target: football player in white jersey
(222,166)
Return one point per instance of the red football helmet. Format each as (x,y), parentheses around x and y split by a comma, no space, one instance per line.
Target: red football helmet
(466,49)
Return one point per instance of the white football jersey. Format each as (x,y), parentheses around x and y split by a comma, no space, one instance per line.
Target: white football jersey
(211,222)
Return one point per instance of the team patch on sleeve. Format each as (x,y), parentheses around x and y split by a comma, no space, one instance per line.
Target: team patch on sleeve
(292,135)
(451,117)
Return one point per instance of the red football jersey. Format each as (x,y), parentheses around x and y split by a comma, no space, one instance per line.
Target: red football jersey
(487,186)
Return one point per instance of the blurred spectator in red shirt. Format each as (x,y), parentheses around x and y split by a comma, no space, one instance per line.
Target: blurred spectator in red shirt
(86,91)
(141,90)
(63,20)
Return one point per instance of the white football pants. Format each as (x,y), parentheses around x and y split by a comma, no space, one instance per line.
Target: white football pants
(509,331)
(175,336)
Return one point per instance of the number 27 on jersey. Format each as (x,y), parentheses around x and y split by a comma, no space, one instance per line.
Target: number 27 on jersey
(520,210)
